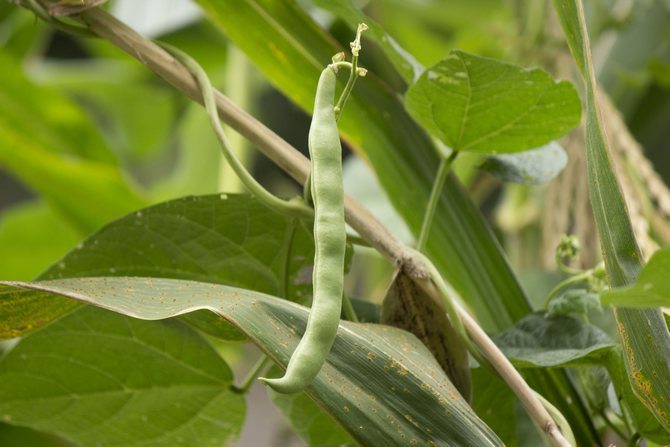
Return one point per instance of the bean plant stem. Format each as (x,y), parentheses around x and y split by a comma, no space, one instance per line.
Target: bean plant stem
(295,164)
(582,277)
(442,173)
(259,368)
(348,308)
(357,240)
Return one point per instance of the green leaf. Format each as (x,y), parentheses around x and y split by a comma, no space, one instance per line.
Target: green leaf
(532,167)
(226,238)
(48,116)
(12,436)
(32,237)
(647,425)
(536,341)
(420,405)
(473,103)
(491,400)
(652,288)
(97,378)
(307,419)
(574,301)
(52,147)
(291,50)
(644,334)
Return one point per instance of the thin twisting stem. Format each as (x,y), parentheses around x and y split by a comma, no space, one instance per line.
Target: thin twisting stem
(291,208)
(438,184)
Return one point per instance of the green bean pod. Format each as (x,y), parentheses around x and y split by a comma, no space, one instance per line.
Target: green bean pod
(330,242)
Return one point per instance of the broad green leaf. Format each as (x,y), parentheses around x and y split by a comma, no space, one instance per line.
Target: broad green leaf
(32,237)
(291,50)
(12,436)
(307,419)
(89,194)
(473,103)
(651,289)
(574,301)
(530,167)
(49,144)
(491,399)
(97,378)
(420,405)
(644,334)
(229,239)
(537,341)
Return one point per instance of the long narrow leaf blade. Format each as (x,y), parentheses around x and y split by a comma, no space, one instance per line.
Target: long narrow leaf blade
(644,333)
(420,405)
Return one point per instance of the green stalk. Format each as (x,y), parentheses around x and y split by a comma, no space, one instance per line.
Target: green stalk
(259,368)
(442,173)
(348,308)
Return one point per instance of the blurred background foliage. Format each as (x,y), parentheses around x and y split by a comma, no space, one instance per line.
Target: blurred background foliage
(78,111)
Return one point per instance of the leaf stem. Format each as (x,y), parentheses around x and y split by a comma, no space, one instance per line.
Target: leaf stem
(357,240)
(442,173)
(348,308)
(256,370)
(582,277)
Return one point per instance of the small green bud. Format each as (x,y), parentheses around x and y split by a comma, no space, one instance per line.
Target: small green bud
(568,247)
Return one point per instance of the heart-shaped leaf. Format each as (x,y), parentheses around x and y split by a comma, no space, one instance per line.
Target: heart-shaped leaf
(97,378)
(473,103)
(420,405)
(537,341)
